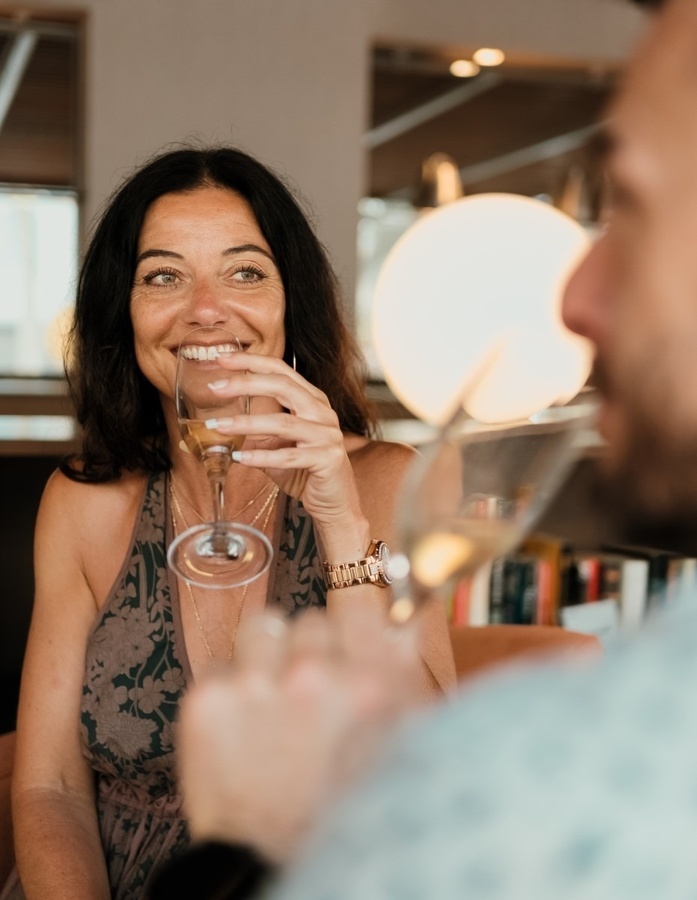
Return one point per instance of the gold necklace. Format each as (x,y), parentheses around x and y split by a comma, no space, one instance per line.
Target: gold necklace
(233,516)
(266,507)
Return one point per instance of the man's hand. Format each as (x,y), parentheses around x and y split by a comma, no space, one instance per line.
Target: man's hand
(265,746)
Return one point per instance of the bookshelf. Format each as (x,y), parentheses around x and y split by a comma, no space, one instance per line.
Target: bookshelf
(577,570)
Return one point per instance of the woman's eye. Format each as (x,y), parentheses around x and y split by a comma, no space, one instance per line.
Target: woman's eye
(161,278)
(248,275)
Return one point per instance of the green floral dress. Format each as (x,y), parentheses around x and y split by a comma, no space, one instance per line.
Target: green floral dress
(136,673)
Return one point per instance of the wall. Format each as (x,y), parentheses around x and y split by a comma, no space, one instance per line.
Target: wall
(288,79)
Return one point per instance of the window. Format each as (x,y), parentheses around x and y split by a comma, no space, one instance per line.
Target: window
(39,189)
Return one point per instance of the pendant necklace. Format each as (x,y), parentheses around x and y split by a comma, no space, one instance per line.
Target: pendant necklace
(265,510)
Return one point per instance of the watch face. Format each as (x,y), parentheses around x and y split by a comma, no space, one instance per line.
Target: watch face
(385,557)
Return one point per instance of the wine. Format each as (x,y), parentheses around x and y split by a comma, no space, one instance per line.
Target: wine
(216,554)
(458,547)
(204,442)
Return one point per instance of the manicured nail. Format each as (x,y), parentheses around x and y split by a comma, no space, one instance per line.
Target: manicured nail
(215,424)
(240,455)
(219,385)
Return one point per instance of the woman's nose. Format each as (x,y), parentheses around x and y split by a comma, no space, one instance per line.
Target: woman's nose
(588,292)
(206,305)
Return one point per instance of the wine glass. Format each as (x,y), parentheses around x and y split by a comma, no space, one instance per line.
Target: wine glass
(217,554)
(476,491)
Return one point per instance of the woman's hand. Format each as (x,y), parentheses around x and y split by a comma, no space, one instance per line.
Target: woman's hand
(300,446)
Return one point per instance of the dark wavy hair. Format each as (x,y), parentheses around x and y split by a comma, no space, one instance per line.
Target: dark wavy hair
(119,411)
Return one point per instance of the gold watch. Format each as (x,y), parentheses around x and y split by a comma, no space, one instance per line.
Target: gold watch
(374,568)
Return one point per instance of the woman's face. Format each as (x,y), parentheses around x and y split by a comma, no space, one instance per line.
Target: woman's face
(202,260)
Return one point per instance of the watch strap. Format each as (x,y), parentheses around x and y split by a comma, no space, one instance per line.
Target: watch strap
(360,571)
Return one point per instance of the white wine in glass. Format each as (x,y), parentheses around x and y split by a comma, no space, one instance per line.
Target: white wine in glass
(476,491)
(216,554)
(204,442)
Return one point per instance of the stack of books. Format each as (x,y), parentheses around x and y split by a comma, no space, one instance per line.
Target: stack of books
(549,582)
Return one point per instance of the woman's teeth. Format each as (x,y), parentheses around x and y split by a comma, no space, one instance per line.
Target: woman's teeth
(208,353)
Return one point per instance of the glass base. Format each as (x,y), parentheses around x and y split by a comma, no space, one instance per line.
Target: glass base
(224,555)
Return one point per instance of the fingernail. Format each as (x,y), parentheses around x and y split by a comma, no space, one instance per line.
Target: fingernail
(218,423)
(219,385)
(240,455)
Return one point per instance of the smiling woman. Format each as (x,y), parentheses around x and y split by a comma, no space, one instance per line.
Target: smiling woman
(188,274)
(195,238)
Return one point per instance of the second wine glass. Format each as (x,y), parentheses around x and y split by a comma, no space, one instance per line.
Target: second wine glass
(476,491)
(217,554)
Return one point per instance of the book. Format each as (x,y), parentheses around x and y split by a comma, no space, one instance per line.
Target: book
(548,553)
(547,599)
(461,614)
(634,591)
(496,592)
(479,595)
(589,573)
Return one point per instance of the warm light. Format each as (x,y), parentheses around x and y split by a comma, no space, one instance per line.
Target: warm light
(464,68)
(56,336)
(440,181)
(477,280)
(438,556)
(489,56)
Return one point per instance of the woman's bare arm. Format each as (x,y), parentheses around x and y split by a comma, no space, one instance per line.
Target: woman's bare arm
(380,468)
(58,848)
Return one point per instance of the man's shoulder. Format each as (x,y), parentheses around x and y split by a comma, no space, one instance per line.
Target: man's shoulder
(561,770)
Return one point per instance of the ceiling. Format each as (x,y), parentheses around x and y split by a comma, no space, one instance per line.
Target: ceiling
(517,128)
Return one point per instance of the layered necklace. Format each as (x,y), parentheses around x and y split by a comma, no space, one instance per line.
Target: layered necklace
(264,511)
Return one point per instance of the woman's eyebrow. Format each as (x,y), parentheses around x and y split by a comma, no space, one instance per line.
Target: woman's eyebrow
(245,248)
(149,254)
(231,251)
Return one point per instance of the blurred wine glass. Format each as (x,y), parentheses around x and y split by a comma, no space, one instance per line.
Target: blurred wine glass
(476,491)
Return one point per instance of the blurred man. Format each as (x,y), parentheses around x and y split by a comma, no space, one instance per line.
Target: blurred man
(560,783)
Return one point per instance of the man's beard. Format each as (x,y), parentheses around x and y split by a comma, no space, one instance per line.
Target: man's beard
(650,490)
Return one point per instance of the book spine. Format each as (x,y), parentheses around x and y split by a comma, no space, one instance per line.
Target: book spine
(479,595)
(496,589)
(634,593)
(461,603)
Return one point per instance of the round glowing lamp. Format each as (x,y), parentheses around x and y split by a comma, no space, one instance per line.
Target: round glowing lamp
(476,286)
(489,56)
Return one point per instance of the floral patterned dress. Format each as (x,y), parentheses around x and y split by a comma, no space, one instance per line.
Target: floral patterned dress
(136,673)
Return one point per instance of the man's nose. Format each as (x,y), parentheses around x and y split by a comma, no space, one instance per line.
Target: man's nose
(585,301)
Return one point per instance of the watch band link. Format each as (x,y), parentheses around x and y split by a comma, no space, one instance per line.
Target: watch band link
(360,571)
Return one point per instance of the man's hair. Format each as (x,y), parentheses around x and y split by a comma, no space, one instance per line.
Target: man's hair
(123,425)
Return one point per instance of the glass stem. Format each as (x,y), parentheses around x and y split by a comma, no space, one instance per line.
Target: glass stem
(216,479)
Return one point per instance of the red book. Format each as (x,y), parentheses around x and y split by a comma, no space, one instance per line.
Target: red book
(545,607)
(461,602)
(590,572)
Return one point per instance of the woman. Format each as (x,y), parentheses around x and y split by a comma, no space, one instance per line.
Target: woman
(197,237)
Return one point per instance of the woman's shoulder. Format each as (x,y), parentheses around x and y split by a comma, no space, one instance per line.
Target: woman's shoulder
(87,527)
(378,458)
(75,500)
(359,445)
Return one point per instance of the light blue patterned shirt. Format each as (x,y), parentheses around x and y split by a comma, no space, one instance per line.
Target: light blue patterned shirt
(558,782)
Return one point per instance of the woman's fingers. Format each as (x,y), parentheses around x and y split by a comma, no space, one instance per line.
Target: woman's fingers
(288,393)
(253,364)
(286,428)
